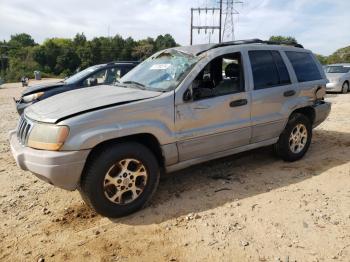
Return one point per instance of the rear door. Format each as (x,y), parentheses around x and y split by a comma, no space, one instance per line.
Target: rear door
(271,92)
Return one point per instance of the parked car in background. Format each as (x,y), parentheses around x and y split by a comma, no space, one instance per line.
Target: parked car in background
(104,74)
(339,78)
(173,111)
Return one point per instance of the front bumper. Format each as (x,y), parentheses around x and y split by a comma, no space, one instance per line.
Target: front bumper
(59,168)
(322,110)
(334,87)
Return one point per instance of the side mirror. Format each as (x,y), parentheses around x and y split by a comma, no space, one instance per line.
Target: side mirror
(187,95)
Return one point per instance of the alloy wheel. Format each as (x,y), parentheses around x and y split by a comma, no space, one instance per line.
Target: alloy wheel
(298,138)
(125,181)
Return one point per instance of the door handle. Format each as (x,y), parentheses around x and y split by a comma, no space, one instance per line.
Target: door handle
(201,106)
(240,102)
(289,93)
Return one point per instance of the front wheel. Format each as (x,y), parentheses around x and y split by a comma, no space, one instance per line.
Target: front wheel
(120,179)
(345,88)
(295,140)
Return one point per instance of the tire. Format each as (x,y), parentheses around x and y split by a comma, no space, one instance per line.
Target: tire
(345,88)
(120,179)
(287,147)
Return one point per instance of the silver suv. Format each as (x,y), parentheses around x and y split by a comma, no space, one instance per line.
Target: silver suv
(180,107)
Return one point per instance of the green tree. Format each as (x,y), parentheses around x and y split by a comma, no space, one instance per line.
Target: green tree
(57,56)
(21,63)
(283,39)
(21,40)
(3,58)
(323,59)
(127,52)
(79,40)
(342,55)
(61,56)
(163,42)
(118,44)
(19,56)
(144,48)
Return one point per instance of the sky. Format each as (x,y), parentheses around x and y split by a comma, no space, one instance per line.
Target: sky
(322,26)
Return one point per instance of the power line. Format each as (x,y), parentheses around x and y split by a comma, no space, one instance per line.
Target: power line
(206,27)
(225,8)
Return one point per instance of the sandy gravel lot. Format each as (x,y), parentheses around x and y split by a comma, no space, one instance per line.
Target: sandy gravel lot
(248,207)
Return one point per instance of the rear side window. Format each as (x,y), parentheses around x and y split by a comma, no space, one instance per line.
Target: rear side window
(268,69)
(304,66)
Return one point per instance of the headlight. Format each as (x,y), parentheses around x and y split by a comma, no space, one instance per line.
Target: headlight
(47,137)
(32,97)
(334,80)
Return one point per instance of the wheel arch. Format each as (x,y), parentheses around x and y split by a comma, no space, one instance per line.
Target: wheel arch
(146,139)
(308,111)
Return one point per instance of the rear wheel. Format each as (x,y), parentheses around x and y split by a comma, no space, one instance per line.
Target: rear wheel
(120,180)
(295,139)
(345,88)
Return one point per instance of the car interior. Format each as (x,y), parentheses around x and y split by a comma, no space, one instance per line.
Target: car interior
(103,77)
(222,76)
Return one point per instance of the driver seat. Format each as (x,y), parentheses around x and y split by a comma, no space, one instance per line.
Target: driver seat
(231,84)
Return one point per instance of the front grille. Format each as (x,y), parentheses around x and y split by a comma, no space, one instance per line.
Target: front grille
(23,129)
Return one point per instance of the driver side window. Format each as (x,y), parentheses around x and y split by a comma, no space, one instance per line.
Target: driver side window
(221,76)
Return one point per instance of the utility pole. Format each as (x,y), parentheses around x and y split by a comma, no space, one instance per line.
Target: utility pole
(226,8)
(206,27)
(220,21)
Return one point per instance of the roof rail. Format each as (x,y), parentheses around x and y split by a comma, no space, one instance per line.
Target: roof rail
(252,41)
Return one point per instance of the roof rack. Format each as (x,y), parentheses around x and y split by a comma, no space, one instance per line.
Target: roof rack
(253,41)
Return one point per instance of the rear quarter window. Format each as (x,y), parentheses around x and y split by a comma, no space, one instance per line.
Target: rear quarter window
(304,66)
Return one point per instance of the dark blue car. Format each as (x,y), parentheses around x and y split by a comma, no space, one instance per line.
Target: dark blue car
(104,74)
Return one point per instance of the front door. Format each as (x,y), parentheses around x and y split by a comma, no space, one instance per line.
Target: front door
(217,117)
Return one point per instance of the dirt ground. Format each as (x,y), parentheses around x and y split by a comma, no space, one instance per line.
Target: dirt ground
(248,207)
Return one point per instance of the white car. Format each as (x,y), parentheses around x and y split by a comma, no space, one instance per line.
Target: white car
(339,77)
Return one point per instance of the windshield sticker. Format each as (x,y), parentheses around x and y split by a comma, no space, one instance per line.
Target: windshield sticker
(160,67)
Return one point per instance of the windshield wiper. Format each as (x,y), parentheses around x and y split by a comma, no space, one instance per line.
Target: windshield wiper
(119,84)
(141,86)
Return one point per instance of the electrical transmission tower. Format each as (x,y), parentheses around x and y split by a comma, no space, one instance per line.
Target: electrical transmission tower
(225,32)
(229,25)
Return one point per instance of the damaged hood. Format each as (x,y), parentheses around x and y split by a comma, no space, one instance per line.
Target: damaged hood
(84,100)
